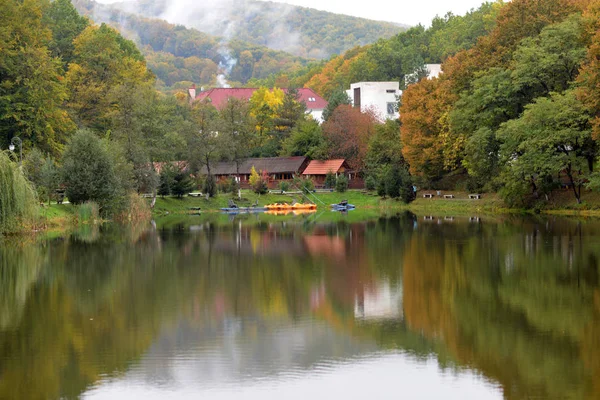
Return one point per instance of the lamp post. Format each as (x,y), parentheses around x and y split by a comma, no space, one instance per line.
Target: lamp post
(11,147)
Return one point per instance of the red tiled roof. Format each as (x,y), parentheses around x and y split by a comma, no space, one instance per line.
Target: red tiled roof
(322,167)
(312,100)
(219,96)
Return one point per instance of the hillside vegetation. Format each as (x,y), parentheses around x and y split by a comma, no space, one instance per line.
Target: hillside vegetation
(179,56)
(304,32)
(399,58)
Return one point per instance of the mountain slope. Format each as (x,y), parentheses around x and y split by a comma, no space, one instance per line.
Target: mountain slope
(301,31)
(180,56)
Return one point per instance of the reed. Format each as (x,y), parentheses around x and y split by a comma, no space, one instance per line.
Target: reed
(88,212)
(18,201)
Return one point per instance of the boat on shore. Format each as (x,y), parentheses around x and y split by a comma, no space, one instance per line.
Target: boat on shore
(343,206)
(295,206)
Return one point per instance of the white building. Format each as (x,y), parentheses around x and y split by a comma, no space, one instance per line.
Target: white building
(380,97)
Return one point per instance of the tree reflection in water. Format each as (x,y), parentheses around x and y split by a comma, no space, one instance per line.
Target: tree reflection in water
(515,299)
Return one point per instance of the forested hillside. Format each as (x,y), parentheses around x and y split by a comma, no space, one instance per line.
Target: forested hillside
(397,57)
(518,112)
(180,56)
(297,30)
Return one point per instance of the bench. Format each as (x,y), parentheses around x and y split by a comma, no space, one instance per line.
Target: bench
(475,196)
(428,196)
(428,218)
(448,196)
(194,209)
(195,194)
(449,218)
(473,219)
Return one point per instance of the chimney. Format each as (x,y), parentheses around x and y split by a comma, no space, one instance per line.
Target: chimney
(192,92)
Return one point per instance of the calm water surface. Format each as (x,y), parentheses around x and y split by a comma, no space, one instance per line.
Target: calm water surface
(228,308)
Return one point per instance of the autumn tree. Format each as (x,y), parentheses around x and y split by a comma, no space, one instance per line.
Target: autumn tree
(422,115)
(32,92)
(348,131)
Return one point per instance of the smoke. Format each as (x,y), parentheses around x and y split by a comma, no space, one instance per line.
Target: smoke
(226,19)
(225,66)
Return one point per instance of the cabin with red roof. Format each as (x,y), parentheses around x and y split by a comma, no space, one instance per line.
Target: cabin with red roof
(317,170)
(315,104)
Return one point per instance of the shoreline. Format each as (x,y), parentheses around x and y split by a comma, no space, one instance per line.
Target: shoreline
(56,219)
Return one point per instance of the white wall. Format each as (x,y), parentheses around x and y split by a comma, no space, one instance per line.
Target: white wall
(317,114)
(376,96)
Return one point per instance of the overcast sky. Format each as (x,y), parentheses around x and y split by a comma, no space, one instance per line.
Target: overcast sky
(406,12)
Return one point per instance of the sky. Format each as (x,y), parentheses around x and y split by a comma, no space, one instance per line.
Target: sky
(404,12)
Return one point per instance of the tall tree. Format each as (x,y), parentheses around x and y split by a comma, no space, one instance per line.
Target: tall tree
(32,91)
(348,131)
(66,24)
(552,137)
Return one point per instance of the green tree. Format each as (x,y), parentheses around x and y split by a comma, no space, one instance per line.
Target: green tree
(337,98)
(49,178)
(552,137)
(306,139)
(341,183)
(182,184)
(66,24)
(32,92)
(87,171)
(166,179)
(330,180)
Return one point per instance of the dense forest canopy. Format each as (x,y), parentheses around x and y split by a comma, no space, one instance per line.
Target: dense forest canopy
(304,32)
(399,58)
(179,56)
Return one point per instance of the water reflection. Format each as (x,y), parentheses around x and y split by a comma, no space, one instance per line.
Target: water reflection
(456,308)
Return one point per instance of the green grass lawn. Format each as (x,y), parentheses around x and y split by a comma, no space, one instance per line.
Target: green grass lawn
(361,199)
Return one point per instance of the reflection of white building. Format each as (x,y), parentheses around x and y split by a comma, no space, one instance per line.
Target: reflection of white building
(381,302)
(380,97)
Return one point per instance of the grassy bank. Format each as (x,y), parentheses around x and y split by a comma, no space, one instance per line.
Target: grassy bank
(369,206)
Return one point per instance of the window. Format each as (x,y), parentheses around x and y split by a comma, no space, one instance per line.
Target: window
(312,99)
(391,108)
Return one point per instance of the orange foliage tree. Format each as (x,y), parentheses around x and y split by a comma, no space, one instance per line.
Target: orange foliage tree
(348,131)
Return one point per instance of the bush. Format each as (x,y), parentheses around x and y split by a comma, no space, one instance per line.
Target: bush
(304,184)
(88,173)
(229,185)
(259,183)
(371,182)
(284,186)
(210,186)
(330,180)
(341,183)
(396,182)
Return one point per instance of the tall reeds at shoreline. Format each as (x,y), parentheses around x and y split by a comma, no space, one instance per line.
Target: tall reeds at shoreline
(18,202)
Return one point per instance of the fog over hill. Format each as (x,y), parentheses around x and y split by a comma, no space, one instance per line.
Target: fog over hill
(300,31)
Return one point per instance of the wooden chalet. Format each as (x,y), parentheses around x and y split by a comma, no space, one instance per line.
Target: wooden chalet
(317,170)
(278,168)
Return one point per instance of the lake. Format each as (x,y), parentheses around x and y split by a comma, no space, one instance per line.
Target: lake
(265,307)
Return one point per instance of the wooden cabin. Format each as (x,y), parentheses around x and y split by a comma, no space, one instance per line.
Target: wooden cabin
(317,170)
(278,168)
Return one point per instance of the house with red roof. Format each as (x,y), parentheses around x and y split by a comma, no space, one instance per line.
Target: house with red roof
(317,170)
(315,104)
